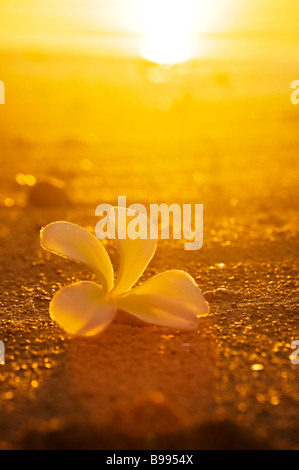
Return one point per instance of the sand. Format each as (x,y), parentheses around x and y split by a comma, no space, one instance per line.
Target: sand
(230,141)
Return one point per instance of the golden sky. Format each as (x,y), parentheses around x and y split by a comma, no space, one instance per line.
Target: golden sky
(116,25)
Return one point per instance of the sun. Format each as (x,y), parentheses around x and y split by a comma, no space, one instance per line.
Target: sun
(168,30)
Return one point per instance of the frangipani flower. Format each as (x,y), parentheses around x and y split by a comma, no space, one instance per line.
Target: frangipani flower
(85,308)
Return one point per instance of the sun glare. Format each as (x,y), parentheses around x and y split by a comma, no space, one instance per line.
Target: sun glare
(168,30)
(171,28)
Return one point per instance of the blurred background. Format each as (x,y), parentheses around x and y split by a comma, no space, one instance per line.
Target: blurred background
(171,88)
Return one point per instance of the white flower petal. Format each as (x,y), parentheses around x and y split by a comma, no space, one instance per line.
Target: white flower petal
(73,241)
(170,299)
(81,309)
(134,254)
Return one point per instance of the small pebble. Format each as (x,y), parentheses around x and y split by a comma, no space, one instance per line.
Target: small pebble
(48,194)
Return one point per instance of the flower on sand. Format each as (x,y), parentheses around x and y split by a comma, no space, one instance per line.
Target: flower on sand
(85,308)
